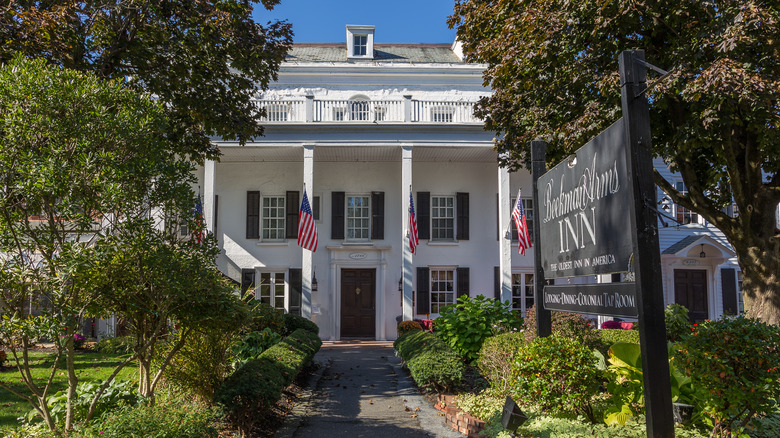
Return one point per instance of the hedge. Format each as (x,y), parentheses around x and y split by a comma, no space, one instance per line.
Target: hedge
(294,322)
(613,336)
(258,384)
(431,362)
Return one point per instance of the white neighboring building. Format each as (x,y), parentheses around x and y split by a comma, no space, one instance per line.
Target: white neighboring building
(359,126)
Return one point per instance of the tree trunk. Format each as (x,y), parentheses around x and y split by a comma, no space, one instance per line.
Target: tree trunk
(72,381)
(760,264)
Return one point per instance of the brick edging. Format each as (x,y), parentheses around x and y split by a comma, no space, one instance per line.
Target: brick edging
(458,420)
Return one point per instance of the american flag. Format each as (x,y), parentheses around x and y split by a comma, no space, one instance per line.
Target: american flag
(307,229)
(518,214)
(413,240)
(197,222)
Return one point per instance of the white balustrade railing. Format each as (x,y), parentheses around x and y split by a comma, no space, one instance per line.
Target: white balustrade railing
(368,111)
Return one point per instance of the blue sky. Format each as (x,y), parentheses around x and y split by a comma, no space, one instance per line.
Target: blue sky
(396,21)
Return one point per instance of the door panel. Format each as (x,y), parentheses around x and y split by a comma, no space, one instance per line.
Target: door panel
(358,303)
(690,290)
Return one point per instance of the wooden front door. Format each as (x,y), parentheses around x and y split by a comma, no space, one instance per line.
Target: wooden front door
(690,290)
(358,303)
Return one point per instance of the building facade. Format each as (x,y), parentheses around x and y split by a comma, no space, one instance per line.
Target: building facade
(360,126)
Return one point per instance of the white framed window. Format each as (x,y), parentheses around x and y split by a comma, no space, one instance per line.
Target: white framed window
(442,218)
(442,288)
(273,212)
(683,215)
(272,289)
(360,45)
(358,217)
(522,291)
(442,114)
(528,207)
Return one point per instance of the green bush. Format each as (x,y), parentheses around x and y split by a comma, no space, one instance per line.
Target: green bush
(497,357)
(176,419)
(252,345)
(735,363)
(405,327)
(293,353)
(465,326)
(613,336)
(294,322)
(431,362)
(677,322)
(558,373)
(117,345)
(483,405)
(570,325)
(263,315)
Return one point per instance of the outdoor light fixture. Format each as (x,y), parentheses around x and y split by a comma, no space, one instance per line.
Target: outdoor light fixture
(314,282)
(400,284)
(512,417)
(702,254)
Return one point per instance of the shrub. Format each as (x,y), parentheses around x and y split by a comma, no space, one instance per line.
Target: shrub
(405,327)
(570,325)
(677,322)
(465,326)
(611,325)
(431,362)
(78,340)
(3,357)
(613,336)
(496,358)
(558,373)
(263,315)
(176,419)
(118,394)
(735,363)
(483,405)
(252,345)
(294,322)
(117,345)
(293,353)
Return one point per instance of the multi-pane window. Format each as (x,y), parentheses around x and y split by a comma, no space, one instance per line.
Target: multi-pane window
(358,218)
(442,217)
(360,44)
(442,289)
(271,289)
(684,216)
(522,291)
(273,217)
(359,110)
(528,208)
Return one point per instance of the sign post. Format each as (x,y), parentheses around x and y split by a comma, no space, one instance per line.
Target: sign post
(595,215)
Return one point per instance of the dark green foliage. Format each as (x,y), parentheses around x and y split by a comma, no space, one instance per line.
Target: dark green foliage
(117,345)
(258,384)
(264,316)
(497,357)
(174,419)
(558,373)
(431,362)
(677,322)
(116,395)
(252,345)
(613,336)
(405,327)
(465,325)
(570,325)
(735,363)
(294,322)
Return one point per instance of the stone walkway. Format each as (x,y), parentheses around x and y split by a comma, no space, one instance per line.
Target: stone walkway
(363,392)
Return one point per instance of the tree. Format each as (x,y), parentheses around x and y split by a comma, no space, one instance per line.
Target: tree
(81,159)
(553,66)
(205,60)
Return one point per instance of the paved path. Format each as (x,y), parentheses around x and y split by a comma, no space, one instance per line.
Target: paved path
(363,392)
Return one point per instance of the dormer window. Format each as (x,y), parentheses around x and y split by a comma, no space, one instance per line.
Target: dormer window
(360,42)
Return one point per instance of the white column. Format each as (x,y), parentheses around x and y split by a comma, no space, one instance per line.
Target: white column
(505,237)
(380,300)
(306,257)
(406,184)
(209,177)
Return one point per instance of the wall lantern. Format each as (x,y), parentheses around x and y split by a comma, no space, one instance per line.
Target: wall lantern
(702,254)
(400,284)
(314,282)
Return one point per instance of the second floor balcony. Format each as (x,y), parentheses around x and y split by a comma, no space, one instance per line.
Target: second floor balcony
(406,110)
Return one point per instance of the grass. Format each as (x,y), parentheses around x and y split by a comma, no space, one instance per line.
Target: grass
(90,367)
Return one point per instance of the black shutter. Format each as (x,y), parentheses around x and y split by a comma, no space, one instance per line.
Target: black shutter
(296,286)
(337,215)
(377,215)
(253,215)
(497,283)
(463,281)
(315,207)
(423,293)
(462,207)
(423,212)
(291,219)
(247,282)
(729,290)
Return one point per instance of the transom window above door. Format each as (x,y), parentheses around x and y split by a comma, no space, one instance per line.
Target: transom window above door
(358,217)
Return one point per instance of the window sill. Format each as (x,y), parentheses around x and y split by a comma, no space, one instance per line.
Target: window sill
(358,243)
(443,243)
(272,243)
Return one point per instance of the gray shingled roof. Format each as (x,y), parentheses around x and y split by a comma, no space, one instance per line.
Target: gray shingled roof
(681,244)
(402,53)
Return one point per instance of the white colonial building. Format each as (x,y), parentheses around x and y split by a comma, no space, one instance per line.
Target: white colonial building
(359,126)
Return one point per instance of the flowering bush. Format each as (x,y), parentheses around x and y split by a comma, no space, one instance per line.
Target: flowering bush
(426,324)
(408,326)
(570,325)
(735,362)
(611,325)
(78,340)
